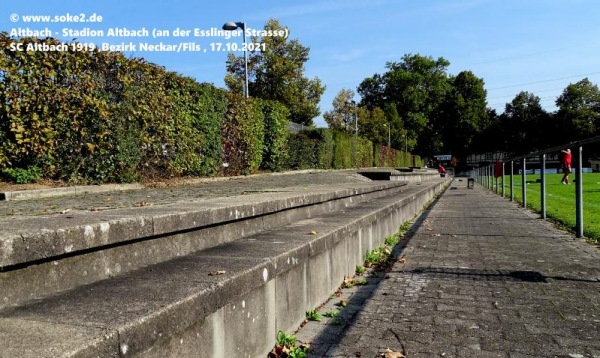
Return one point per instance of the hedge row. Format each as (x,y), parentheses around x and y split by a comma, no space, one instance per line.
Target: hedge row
(328,149)
(100,117)
(94,117)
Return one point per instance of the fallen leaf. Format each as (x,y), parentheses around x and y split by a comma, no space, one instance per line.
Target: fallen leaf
(94,209)
(437,235)
(402,260)
(143,203)
(392,354)
(342,303)
(216,273)
(65,211)
(314,232)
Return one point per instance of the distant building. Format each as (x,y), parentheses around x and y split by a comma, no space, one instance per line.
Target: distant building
(595,164)
(476,160)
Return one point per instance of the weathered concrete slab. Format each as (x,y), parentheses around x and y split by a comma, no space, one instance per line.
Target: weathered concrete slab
(99,252)
(71,190)
(151,303)
(26,239)
(31,339)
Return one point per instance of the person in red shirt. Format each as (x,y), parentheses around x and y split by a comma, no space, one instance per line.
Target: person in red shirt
(442,171)
(565,161)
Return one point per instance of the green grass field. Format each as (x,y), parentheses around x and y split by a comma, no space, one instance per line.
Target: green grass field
(560,200)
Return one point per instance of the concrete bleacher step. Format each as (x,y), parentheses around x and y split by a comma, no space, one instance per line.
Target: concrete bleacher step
(222,298)
(43,256)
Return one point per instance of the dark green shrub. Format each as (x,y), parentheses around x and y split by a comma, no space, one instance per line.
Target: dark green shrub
(302,151)
(276,135)
(364,152)
(325,148)
(242,135)
(32,174)
(342,152)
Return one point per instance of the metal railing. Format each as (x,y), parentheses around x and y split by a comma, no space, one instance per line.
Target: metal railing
(296,127)
(484,175)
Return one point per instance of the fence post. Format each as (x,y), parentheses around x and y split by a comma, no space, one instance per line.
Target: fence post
(503,179)
(579,193)
(543,186)
(512,180)
(524,182)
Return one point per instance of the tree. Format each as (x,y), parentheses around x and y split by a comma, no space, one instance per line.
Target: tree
(464,113)
(417,87)
(372,91)
(276,72)
(579,110)
(343,115)
(522,119)
(490,138)
(372,125)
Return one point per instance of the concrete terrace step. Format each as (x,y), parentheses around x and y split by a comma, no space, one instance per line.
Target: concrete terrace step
(44,255)
(175,308)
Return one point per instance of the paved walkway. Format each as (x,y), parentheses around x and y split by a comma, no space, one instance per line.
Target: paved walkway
(482,278)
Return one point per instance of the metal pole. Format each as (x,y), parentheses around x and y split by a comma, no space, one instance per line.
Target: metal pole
(543,186)
(246,92)
(355,135)
(524,183)
(512,180)
(579,194)
(503,179)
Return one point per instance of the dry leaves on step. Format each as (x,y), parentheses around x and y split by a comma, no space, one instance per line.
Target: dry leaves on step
(314,232)
(391,354)
(342,303)
(216,273)
(402,260)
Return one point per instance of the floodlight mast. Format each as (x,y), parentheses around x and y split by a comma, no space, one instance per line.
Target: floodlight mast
(231,26)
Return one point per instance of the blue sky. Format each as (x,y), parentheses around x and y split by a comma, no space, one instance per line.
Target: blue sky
(538,46)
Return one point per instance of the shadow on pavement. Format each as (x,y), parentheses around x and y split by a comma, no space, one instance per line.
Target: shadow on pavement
(495,275)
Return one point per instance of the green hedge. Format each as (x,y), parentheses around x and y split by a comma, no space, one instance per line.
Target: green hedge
(276,135)
(302,151)
(100,117)
(242,135)
(94,117)
(388,157)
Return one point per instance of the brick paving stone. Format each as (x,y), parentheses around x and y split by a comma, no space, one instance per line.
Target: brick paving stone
(482,278)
